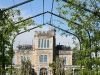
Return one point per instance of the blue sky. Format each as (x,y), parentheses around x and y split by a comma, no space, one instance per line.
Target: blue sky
(32,8)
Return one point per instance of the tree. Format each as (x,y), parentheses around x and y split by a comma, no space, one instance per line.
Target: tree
(83,20)
(68,71)
(26,67)
(8,31)
(58,66)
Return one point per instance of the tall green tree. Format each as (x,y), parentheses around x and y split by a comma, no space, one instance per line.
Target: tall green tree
(26,68)
(58,66)
(83,19)
(8,31)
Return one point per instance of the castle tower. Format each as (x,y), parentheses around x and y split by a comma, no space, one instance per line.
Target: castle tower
(44,50)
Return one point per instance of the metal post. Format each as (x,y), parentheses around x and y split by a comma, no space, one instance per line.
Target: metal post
(73,70)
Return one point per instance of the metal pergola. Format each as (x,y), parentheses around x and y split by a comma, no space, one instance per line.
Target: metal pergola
(49,23)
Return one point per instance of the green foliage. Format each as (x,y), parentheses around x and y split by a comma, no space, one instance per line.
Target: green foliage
(83,20)
(26,67)
(58,67)
(8,32)
(68,71)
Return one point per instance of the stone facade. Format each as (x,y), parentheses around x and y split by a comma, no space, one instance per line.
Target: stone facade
(44,48)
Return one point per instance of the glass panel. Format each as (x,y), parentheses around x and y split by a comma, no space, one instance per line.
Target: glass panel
(39,43)
(41,58)
(42,44)
(45,58)
(64,60)
(47,43)
(27,58)
(21,57)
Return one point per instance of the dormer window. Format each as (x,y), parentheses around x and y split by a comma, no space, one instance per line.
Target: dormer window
(43,43)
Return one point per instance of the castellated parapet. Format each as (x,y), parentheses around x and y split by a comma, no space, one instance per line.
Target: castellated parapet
(50,32)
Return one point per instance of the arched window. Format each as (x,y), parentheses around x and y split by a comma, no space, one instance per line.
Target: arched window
(43,71)
(39,43)
(47,43)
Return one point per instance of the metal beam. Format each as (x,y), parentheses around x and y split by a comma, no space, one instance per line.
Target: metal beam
(30,29)
(63,18)
(5,9)
(62,29)
(45,13)
(31,17)
(88,10)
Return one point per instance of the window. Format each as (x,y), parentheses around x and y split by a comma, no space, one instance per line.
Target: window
(43,43)
(43,58)
(22,57)
(39,43)
(47,43)
(64,60)
(27,58)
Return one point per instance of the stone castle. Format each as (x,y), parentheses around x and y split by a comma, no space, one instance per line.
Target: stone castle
(43,52)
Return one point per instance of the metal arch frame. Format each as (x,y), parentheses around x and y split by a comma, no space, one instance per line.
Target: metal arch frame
(49,23)
(52,26)
(45,24)
(45,13)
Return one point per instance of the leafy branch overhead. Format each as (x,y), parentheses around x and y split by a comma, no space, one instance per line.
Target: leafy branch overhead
(83,19)
(8,32)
